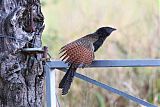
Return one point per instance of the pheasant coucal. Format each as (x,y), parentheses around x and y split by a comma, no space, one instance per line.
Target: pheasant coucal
(81,52)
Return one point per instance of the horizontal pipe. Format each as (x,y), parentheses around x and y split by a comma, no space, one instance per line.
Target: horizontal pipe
(112,63)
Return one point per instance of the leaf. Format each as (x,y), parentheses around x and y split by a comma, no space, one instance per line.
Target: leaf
(100,99)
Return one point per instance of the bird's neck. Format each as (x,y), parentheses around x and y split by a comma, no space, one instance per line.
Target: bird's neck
(97,44)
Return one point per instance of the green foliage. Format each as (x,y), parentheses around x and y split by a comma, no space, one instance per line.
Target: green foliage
(100,99)
(151,98)
(55,1)
(43,2)
(158,84)
(159,4)
(159,98)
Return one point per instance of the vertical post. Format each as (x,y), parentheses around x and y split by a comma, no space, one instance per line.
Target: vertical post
(50,87)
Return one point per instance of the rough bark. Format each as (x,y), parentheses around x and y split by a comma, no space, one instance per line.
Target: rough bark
(21,74)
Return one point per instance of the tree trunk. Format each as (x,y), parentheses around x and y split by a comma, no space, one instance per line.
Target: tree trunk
(21,74)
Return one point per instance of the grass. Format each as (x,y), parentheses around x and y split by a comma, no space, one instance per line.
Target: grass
(138,36)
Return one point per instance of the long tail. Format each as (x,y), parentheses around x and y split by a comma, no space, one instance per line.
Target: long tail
(67,79)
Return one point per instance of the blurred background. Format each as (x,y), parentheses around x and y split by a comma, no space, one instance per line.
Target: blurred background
(137,36)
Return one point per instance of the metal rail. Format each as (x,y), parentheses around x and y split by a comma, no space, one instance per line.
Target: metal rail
(113,63)
(98,63)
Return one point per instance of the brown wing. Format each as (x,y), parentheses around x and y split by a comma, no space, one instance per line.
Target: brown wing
(77,53)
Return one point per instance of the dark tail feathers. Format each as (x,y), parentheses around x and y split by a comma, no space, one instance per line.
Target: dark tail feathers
(67,79)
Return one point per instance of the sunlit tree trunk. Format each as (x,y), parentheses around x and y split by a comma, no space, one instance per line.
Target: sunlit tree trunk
(21,74)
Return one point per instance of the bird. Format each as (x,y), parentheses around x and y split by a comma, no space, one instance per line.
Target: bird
(81,52)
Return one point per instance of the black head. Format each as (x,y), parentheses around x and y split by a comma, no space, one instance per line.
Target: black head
(102,34)
(105,31)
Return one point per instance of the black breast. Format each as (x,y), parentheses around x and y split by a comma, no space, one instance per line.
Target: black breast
(98,43)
